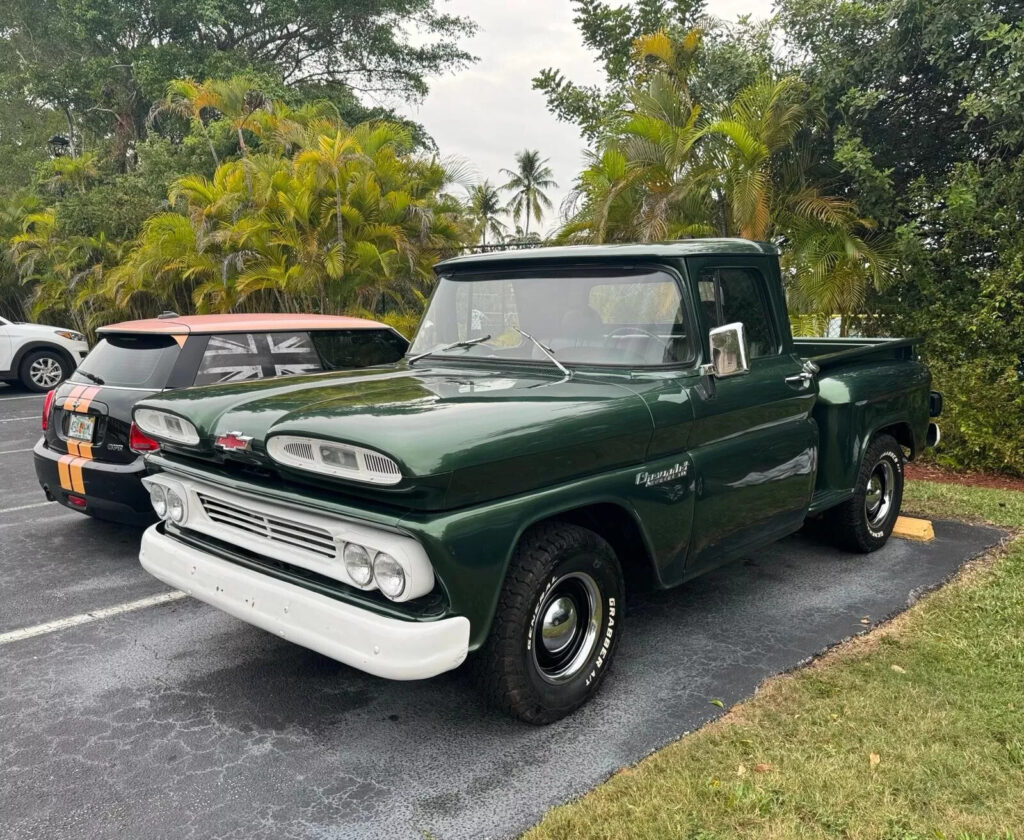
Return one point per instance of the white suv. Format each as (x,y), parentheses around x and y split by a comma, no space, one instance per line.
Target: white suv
(38,356)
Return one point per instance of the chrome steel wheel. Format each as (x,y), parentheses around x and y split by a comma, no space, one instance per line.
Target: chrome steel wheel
(46,372)
(879,494)
(566,630)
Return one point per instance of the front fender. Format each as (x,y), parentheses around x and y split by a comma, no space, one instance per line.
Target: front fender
(471,549)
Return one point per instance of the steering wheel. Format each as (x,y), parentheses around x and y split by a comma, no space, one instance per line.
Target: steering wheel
(613,333)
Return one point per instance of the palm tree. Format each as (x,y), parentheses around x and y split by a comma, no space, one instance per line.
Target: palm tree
(187,98)
(485,207)
(233,99)
(667,170)
(527,183)
(352,220)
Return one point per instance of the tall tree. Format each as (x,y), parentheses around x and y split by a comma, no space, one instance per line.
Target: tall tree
(527,183)
(922,107)
(485,207)
(670,168)
(102,63)
(609,30)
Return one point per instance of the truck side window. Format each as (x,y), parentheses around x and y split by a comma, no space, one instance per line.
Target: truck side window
(738,294)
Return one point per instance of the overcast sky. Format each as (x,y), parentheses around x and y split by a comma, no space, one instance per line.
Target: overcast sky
(489,111)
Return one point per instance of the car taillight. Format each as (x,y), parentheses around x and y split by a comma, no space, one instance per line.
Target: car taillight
(141,443)
(47,405)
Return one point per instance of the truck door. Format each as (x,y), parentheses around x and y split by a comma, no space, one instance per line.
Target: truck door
(753,442)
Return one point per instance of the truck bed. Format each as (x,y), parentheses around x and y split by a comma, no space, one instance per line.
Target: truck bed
(829,352)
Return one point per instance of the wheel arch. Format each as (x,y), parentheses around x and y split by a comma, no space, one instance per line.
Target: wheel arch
(901,430)
(620,527)
(32,346)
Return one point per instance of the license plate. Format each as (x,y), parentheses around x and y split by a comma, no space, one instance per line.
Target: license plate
(81,427)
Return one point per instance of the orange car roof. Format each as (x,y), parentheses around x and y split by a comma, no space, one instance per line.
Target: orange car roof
(265,322)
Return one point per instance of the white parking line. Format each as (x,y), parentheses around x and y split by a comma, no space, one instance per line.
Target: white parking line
(26,507)
(15,419)
(15,451)
(15,399)
(89,617)
(47,522)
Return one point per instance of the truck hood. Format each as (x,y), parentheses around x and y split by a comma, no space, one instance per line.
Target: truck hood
(460,435)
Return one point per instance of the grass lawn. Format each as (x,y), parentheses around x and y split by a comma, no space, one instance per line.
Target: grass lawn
(914,731)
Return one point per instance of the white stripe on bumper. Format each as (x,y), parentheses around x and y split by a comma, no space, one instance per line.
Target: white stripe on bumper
(386,647)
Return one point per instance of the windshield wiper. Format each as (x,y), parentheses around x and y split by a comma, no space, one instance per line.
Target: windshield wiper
(547,351)
(91,376)
(469,342)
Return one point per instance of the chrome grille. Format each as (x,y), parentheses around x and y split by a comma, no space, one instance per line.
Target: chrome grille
(308,538)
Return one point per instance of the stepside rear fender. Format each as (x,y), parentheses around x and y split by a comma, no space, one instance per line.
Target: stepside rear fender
(858,401)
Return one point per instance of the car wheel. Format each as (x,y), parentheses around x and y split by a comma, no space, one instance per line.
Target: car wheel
(557,624)
(43,370)
(865,522)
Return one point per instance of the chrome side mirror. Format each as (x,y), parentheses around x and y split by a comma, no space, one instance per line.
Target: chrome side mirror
(729,353)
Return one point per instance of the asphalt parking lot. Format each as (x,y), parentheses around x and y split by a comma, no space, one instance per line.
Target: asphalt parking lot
(175,720)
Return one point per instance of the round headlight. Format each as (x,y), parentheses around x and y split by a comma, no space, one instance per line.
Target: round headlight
(158,499)
(175,507)
(357,564)
(389,574)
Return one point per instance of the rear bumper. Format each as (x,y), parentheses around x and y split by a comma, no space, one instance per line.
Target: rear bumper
(111,491)
(385,647)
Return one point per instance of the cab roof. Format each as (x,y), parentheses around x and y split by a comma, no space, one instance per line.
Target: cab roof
(617,251)
(264,322)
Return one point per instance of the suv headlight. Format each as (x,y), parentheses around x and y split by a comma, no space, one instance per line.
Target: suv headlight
(70,335)
(344,460)
(163,424)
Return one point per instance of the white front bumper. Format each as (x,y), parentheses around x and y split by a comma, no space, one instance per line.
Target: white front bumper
(386,647)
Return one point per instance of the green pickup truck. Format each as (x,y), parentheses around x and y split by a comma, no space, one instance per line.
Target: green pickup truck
(569,423)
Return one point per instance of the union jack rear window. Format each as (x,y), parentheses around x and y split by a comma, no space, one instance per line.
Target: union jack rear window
(242,357)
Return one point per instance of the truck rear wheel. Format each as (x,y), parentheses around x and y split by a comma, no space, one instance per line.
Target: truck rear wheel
(557,624)
(864,523)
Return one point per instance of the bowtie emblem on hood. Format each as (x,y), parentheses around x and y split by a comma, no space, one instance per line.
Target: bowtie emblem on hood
(234,442)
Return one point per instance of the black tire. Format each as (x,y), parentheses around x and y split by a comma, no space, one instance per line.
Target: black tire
(566,580)
(865,522)
(39,368)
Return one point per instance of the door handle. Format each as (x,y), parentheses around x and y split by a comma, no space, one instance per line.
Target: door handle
(805,377)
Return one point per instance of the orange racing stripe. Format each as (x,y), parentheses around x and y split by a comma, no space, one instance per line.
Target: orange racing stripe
(85,400)
(64,471)
(77,481)
(71,397)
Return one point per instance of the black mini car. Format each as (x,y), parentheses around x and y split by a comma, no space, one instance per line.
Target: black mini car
(90,457)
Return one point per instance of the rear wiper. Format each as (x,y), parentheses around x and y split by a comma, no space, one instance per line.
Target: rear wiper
(91,376)
(469,342)
(547,351)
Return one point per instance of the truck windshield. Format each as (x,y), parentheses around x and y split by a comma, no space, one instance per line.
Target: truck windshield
(622,317)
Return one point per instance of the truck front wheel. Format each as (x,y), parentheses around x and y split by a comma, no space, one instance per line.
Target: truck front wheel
(557,624)
(864,523)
